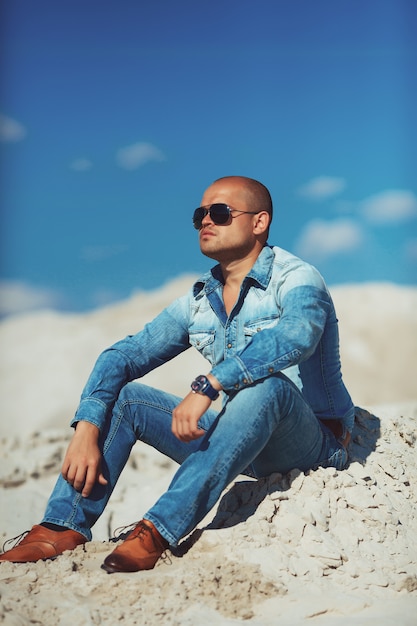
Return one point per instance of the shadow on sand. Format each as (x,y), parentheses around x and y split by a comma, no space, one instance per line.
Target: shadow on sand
(243,498)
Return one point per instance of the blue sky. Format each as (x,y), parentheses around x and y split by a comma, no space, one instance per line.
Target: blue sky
(115,116)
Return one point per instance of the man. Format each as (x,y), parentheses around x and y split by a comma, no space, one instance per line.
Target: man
(258,313)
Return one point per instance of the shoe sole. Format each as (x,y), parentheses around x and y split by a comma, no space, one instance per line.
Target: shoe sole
(114,570)
(109,569)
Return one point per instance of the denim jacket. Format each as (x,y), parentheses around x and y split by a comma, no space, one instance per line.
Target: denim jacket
(284,319)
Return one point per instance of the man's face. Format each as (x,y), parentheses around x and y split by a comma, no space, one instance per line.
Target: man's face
(235,239)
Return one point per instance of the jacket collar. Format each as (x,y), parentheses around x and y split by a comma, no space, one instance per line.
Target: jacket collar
(259,275)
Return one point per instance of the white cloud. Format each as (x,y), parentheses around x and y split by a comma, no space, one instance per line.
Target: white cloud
(20,297)
(321,239)
(11,130)
(322,187)
(100,253)
(138,154)
(387,207)
(81,165)
(104,297)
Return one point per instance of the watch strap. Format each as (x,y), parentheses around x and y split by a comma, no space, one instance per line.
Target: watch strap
(202,385)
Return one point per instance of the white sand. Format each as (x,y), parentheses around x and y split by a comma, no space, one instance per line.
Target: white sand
(323,548)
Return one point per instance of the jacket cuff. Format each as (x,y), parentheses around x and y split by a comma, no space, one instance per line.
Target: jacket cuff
(91,410)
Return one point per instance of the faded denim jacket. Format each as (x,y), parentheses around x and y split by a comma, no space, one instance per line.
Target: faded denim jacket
(283,320)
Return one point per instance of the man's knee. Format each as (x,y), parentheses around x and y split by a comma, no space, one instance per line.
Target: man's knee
(278,386)
(130,395)
(128,392)
(276,395)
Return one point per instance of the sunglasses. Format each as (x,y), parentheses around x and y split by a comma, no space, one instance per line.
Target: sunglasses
(219,212)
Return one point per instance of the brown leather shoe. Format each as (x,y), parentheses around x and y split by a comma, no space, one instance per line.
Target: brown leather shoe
(43,543)
(140,550)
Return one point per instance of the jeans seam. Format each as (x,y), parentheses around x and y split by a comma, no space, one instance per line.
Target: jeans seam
(151,405)
(113,431)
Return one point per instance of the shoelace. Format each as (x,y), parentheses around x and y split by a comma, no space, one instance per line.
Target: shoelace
(141,529)
(14,541)
(122,531)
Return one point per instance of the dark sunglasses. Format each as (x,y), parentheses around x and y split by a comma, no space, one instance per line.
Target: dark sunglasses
(220,213)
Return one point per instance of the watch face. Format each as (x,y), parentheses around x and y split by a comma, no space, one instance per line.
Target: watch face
(199,383)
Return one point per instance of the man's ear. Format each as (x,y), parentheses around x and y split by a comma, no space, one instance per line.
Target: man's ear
(262,221)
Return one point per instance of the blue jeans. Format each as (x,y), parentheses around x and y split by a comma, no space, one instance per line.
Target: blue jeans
(265,428)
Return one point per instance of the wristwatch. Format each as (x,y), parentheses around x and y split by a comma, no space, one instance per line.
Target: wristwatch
(202,385)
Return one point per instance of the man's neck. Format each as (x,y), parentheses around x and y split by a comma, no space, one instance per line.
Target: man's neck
(233,275)
(234,271)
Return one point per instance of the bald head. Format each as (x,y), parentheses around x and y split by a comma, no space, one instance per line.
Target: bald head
(256,194)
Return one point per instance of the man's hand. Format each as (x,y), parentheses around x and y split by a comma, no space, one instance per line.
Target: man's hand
(82,464)
(185,416)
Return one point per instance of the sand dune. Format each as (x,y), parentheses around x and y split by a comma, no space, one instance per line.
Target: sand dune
(323,548)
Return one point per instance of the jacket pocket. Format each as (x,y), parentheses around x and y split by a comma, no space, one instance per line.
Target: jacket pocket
(257,326)
(203,341)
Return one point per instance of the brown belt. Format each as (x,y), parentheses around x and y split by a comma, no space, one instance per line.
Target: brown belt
(336,427)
